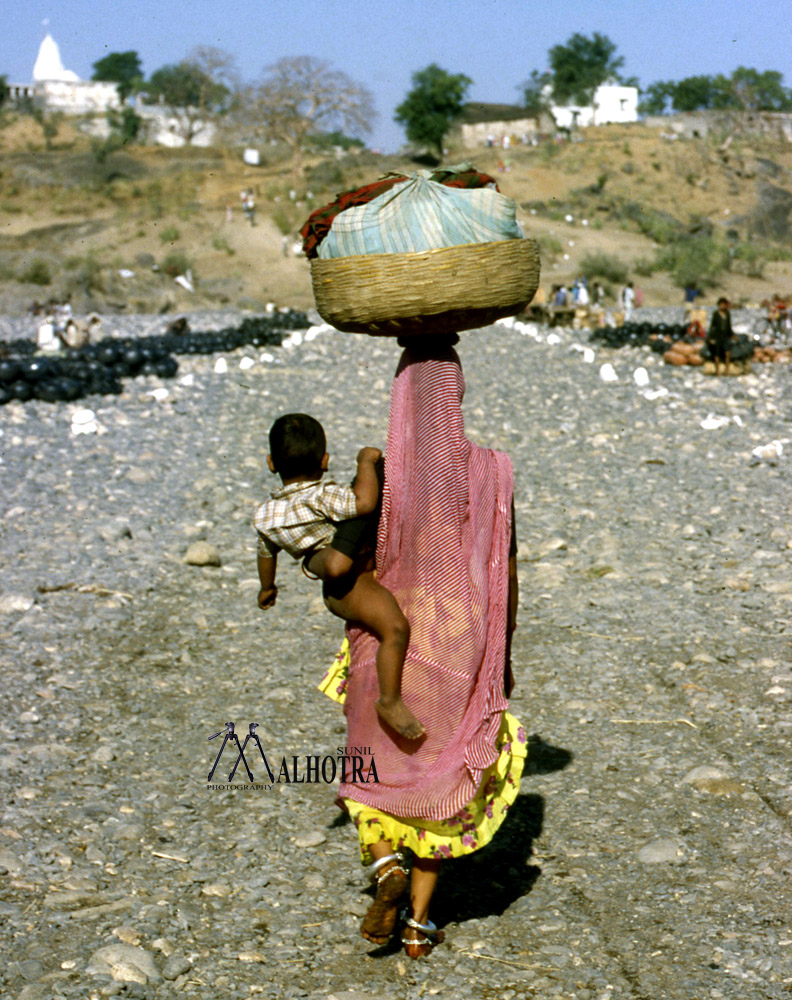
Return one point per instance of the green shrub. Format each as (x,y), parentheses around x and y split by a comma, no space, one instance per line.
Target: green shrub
(220,243)
(749,259)
(550,247)
(176,263)
(36,272)
(598,264)
(169,234)
(285,220)
(694,258)
(85,274)
(646,267)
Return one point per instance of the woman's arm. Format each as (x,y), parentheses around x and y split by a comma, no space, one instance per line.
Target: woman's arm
(366,485)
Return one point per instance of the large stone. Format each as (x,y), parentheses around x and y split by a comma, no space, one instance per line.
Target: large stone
(202,554)
(9,603)
(662,850)
(125,963)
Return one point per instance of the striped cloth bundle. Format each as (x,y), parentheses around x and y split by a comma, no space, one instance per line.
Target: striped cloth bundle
(419,214)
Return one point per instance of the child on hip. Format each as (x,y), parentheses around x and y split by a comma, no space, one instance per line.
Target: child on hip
(332,528)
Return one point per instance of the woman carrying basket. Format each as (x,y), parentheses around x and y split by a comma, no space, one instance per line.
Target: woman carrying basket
(446,552)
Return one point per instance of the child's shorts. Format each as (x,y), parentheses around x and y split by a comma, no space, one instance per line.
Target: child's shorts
(357,534)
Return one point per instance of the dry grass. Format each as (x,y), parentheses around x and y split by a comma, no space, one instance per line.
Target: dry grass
(620,180)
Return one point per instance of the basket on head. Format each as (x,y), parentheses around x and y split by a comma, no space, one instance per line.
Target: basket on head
(431,291)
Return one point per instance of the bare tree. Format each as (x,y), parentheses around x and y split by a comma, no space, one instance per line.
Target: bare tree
(220,75)
(302,96)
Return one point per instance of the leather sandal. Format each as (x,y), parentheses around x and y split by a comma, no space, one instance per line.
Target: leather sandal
(431,936)
(380,919)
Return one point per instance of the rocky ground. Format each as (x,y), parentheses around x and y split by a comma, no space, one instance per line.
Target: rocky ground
(649,853)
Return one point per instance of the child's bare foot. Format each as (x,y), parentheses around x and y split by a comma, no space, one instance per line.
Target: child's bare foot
(397,715)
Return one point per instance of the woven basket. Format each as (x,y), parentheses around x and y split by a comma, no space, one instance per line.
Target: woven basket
(433,291)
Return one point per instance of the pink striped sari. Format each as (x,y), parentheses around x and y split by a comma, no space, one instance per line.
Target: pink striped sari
(443,551)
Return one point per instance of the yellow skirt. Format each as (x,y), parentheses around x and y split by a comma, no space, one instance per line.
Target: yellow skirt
(473,826)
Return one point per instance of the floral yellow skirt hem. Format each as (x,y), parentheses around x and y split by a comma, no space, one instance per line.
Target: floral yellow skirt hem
(473,826)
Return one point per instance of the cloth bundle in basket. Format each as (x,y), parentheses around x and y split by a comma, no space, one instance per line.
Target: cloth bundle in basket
(418,214)
(421,256)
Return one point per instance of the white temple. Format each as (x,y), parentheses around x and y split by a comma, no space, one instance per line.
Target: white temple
(56,88)
(59,89)
(48,65)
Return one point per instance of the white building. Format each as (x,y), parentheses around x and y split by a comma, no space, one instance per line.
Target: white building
(175,127)
(59,89)
(612,103)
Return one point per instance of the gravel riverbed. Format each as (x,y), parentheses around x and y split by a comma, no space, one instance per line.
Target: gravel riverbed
(649,853)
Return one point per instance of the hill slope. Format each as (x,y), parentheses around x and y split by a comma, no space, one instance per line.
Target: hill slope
(113,232)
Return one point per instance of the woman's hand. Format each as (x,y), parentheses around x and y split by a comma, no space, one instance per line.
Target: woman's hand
(369,455)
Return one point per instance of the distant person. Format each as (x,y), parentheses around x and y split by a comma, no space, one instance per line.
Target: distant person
(249,207)
(597,294)
(78,332)
(691,293)
(720,336)
(561,296)
(583,297)
(627,300)
(777,313)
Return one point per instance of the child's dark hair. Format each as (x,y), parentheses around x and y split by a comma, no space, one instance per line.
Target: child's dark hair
(297,443)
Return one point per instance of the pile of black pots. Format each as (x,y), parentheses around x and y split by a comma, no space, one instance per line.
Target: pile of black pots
(660,337)
(98,369)
(639,334)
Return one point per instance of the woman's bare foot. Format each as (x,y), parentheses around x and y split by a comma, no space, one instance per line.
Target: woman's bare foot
(397,715)
(418,940)
(381,916)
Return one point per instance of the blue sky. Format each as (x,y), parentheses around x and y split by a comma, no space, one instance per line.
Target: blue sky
(495,42)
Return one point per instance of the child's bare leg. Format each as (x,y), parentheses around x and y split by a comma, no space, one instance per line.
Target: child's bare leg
(375,607)
(329,564)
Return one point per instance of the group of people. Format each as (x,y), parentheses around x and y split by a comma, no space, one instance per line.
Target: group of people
(59,329)
(577,295)
(424,674)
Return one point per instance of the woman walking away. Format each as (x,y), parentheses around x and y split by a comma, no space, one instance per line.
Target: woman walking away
(446,552)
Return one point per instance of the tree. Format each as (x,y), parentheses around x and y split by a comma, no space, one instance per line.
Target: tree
(582,65)
(534,92)
(121,68)
(430,108)
(301,96)
(50,122)
(656,98)
(191,93)
(3,90)
(745,90)
(694,93)
(218,80)
(755,91)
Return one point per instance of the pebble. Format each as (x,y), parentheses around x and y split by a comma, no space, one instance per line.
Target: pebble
(312,838)
(175,966)
(661,850)
(11,603)
(125,963)
(202,553)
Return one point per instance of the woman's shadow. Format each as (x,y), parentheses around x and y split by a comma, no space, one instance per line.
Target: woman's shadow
(490,880)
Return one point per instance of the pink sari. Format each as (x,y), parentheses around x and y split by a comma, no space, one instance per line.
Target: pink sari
(443,552)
